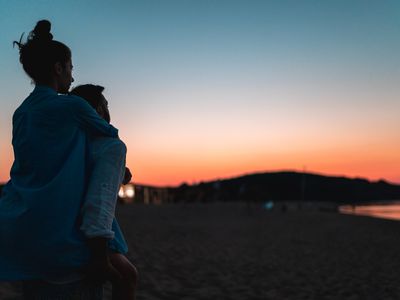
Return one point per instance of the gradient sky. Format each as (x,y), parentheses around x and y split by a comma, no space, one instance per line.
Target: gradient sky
(212,89)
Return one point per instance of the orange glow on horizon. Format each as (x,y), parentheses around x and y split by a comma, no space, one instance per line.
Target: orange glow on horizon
(176,170)
(170,174)
(190,163)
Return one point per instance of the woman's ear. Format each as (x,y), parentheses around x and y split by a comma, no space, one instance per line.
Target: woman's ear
(58,68)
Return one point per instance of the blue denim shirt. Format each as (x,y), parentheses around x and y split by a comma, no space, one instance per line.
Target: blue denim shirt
(40,234)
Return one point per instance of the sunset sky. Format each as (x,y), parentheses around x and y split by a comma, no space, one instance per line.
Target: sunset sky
(207,89)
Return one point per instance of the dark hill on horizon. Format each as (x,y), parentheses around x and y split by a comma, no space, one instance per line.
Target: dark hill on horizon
(274,186)
(289,186)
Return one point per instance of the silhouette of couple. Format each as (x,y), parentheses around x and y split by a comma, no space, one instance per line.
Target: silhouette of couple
(58,233)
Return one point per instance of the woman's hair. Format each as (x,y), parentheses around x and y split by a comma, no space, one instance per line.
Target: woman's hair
(40,52)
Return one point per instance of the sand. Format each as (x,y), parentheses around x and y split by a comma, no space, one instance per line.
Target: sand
(227,251)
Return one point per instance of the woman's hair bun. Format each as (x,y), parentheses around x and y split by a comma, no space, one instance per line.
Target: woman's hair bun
(41,32)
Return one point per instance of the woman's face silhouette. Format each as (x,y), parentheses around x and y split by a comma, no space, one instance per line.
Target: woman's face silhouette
(65,77)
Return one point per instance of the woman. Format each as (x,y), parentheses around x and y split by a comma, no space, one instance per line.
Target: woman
(40,238)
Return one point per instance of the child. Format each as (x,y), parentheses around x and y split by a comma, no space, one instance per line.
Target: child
(98,221)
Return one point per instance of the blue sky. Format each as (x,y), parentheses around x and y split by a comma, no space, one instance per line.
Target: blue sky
(195,83)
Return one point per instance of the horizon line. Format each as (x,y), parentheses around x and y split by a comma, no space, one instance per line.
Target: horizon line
(259,172)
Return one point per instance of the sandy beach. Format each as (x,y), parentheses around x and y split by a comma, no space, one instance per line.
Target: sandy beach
(228,251)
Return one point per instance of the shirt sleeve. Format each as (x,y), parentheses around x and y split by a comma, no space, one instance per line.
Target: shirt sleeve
(88,119)
(98,210)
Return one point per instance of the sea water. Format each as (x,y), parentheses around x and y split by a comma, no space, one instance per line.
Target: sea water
(386,210)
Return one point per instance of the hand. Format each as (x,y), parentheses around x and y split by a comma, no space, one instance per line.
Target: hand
(100,269)
(127,176)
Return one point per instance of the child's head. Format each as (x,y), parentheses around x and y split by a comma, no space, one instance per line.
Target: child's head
(93,94)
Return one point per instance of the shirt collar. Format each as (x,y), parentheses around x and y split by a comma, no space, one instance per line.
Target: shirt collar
(44,89)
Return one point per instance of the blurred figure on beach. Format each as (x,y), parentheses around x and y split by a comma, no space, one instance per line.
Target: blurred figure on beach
(42,207)
(107,161)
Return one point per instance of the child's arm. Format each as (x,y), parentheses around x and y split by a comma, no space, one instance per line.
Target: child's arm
(88,119)
(127,288)
(107,173)
(100,268)
(98,209)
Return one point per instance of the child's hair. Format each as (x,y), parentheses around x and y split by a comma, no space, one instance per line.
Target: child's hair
(92,94)
(40,52)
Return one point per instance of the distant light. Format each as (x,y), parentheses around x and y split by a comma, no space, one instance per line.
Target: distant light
(121,192)
(129,191)
(269,205)
(126,191)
